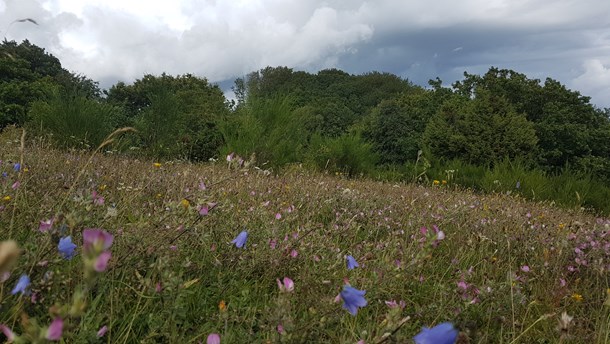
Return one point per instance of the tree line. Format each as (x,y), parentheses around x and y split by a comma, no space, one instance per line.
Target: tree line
(331,119)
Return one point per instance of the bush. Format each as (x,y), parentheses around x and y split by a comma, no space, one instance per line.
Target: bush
(72,120)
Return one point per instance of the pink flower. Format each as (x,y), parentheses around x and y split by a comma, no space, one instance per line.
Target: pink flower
(440,235)
(45,225)
(213,338)
(96,238)
(55,329)
(278,216)
(294,253)
(102,331)
(202,186)
(203,210)
(10,336)
(101,263)
(272,243)
(16,185)
(525,268)
(280,329)
(287,286)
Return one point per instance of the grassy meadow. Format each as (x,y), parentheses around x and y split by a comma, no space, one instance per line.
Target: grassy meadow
(500,268)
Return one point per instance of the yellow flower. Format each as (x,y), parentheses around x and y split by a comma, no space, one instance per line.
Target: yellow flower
(102,187)
(6,198)
(159,195)
(222,305)
(444,182)
(185,203)
(157,164)
(577,297)
(561,225)
(435,182)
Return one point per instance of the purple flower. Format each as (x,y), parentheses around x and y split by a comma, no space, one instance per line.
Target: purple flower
(22,285)
(443,333)
(353,299)
(351,263)
(96,238)
(241,239)
(66,247)
(213,338)
(17,167)
(55,329)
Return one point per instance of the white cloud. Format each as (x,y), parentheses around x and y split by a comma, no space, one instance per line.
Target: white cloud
(595,81)
(110,40)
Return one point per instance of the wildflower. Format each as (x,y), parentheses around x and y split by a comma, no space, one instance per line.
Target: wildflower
(435,182)
(564,322)
(351,263)
(230,157)
(353,299)
(576,297)
(278,216)
(202,186)
(525,268)
(96,239)
(101,263)
(185,203)
(9,252)
(157,164)
(287,286)
(102,331)
(518,186)
(6,198)
(66,247)
(440,235)
(45,225)
(294,253)
(222,306)
(16,185)
(55,329)
(443,333)
(280,329)
(17,167)
(394,304)
(204,210)
(22,285)
(10,336)
(444,182)
(240,240)
(213,338)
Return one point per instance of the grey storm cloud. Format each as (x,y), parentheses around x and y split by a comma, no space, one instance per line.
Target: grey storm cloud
(113,40)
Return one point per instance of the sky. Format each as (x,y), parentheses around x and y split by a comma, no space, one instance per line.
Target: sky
(121,40)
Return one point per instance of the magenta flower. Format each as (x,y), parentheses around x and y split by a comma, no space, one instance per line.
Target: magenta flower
(213,338)
(287,286)
(8,333)
(55,329)
(443,333)
(96,239)
(204,210)
(353,299)
(102,331)
(101,263)
(351,263)
(240,240)
(45,225)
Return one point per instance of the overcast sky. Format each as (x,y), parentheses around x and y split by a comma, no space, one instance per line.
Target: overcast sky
(112,40)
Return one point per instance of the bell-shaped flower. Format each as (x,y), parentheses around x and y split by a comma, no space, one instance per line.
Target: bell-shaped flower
(96,239)
(443,333)
(22,285)
(240,240)
(55,330)
(287,285)
(353,299)
(351,263)
(66,247)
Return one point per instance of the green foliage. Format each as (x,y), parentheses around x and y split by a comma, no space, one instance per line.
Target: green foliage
(29,74)
(397,127)
(72,120)
(178,116)
(347,154)
(270,129)
(480,131)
